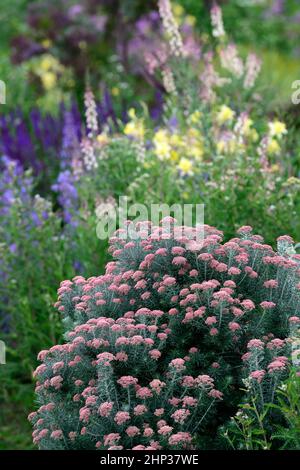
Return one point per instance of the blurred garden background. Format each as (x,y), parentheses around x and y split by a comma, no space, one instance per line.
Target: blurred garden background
(97,107)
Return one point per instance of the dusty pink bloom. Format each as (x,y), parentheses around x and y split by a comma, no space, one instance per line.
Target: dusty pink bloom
(178,364)
(211,320)
(155,354)
(267,305)
(255,343)
(157,385)
(105,408)
(276,365)
(148,432)
(213,331)
(233,326)
(215,394)
(140,410)
(205,380)
(57,434)
(169,281)
(181,415)
(164,430)
(111,439)
(121,417)
(180,437)
(121,357)
(276,344)
(57,366)
(132,431)
(127,380)
(193,350)
(189,401)
(233,271)
(294,319)
(179,261)
(258,375)
(56,382)
(271,283)
(144,392)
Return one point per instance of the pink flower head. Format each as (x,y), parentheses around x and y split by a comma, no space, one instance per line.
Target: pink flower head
(215,394)
(181,415)
(132,431)
(179,438)
(105,409)
(211,320)
(258,375)
(271,284)
(144,392)
(233,326)
(56,382)
(157,385)
(148,432)
(121,417)
(155,354)
(255,343)
(165,430)
(267,305)
(179,261)
(276,365)
(140,410)
(127,380)
(57,434)
(178,364)
(111,439)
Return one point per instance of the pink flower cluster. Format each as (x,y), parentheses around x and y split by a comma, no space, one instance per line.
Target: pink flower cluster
(150,341)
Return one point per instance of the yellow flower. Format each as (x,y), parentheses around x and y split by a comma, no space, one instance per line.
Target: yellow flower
(135,129)
(115,91)
(196,150)
(221,145)
(277,129)
(48,62)
(190,20)
(102,138)
(46,43)
(273,147)
(49,80)
(292,181)
(253,135)
(178,10)
(131,113)
(160,136)
(275,168)
(163,150)
(176,140)
(225,114)
(230,145)
(195,117)
(194,133)
(185,166)
(174,155)
(247,127)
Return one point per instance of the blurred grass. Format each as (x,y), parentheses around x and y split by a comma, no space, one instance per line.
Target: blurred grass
(278,73)
(15,430)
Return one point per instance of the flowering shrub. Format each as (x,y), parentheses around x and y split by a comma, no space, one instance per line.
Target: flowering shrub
(157,348)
